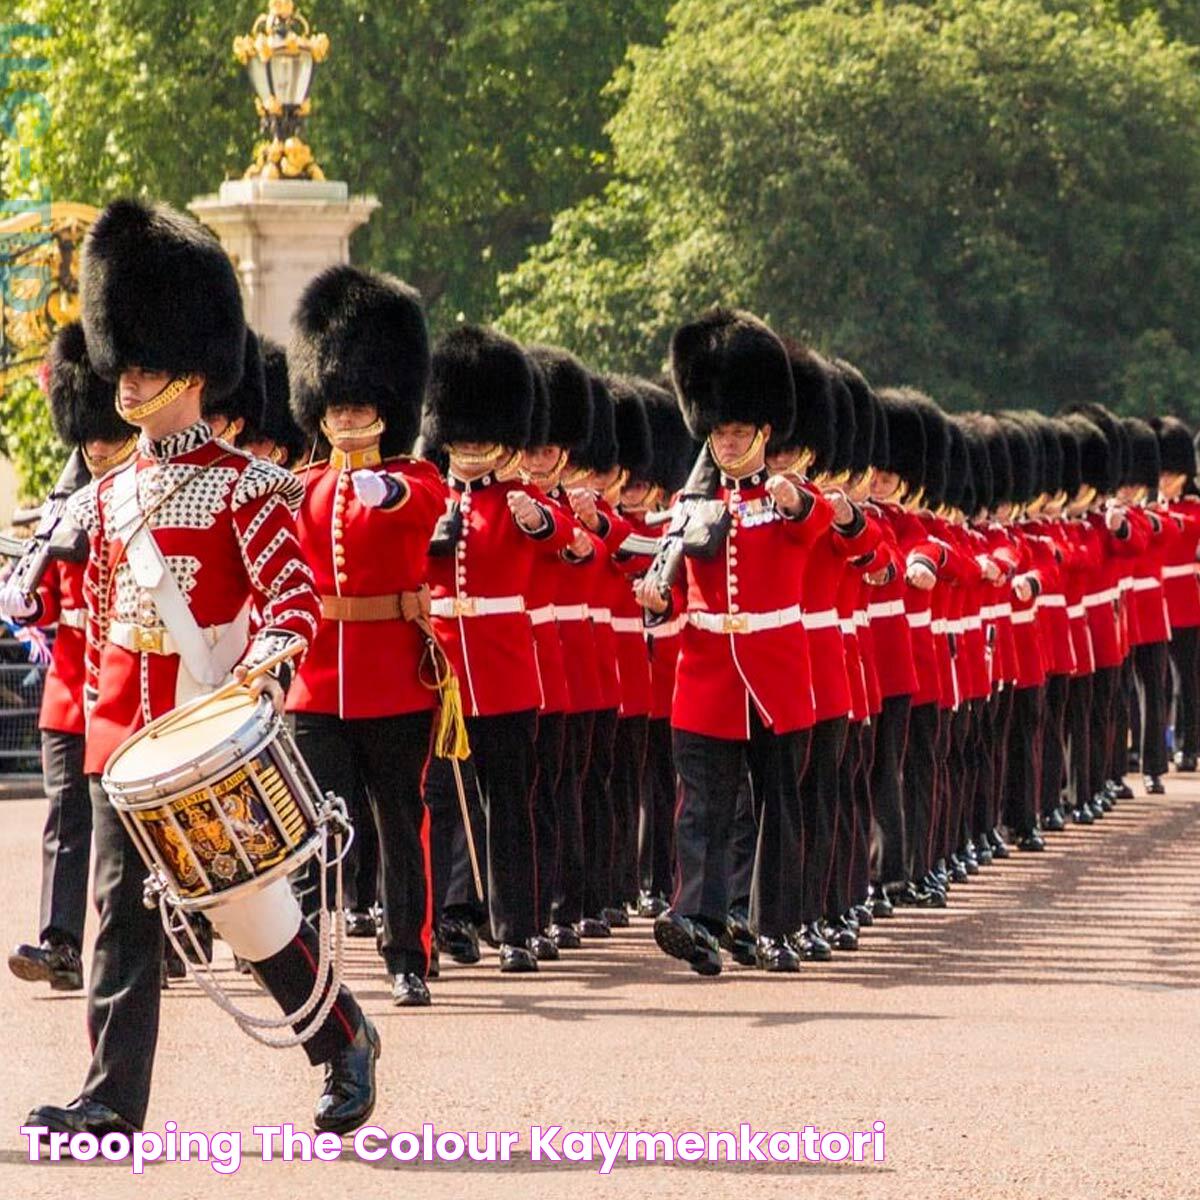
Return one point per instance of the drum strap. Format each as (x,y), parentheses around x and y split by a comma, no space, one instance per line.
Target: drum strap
(207,665)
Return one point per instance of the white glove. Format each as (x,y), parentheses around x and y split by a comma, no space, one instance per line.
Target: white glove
(14,604)
(370,487)
(920,576)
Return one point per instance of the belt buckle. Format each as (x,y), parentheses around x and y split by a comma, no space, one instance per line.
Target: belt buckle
(464,606)
(146,640)
(735,623)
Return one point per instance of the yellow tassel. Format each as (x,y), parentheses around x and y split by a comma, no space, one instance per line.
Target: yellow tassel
(451,740)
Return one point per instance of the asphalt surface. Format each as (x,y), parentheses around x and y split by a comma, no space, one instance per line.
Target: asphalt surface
(1038,1038)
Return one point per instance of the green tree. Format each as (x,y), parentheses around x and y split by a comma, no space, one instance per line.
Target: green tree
(986,197)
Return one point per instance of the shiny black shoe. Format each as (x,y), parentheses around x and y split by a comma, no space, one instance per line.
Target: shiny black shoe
(1154,785)
(83,1115)
(983,853)
(958,869)
(684,939)
(850,921)
(55,963)
(940,875)
(1053,821)
(650,906)
(1118,789)
(999,845)
(516,960)
(617,918)
(968,858)
(811,945)
(349,1095)
(460,939)
(565,937)
(1185,762)
(1081,814)
(1031,841)
(881,906)
(839,935)
(737,937)
(776,956)
(410,991)
(936,894)
(1101,804)
(594,927)
(173,966)
(542,948)
(910,896)
(863,915)
(435,960)
(359,924)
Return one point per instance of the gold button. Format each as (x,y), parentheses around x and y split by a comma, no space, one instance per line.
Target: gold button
(342,577)
(733,608)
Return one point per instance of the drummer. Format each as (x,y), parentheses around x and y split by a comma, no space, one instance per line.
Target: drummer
(183,541)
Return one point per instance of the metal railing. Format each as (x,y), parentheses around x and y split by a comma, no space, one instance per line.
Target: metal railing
(20,700)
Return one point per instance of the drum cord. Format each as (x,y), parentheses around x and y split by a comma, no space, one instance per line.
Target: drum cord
(335,815)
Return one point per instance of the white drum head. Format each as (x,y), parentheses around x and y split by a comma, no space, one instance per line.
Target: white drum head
(168,744)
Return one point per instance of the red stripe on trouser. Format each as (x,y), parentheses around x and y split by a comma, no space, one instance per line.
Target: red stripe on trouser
(336,1010)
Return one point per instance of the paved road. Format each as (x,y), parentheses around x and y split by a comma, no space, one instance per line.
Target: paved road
(1038,1038)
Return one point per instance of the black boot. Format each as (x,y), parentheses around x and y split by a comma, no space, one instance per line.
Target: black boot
(410,991)
(349,1095)
(460,939)
(54,962)
(1154,785)
(688,940)
(83,1115)
(775,955)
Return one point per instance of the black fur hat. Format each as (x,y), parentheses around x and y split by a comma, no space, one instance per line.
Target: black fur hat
(905,435)
(1116,442)
(82,405)
(359,337)
(539,420)
(1098,466)
(728,366)
(247,400)
(881,446)
(599,452)
(982,480)
(278,424)
(1175,446)
(1025,456)
(1049,451)
(814,427)
(936,444)
(1145,463)
(569,395)
(674,451)
(635,451)
(864,414)
(1071,478)
(958,493)
(843,424)
(159,292)
(998,456)
(480,390)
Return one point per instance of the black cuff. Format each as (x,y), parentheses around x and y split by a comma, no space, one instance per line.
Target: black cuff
(857,524)
(547,526)
(807,503)
(924,561)
(397,492)
(653,620)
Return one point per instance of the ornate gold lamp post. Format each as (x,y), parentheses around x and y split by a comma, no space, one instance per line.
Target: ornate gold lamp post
(280,55)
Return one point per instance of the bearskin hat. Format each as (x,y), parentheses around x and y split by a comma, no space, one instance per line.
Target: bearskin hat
(599,452)
(635,451)
(278,424)
(814,427)
(1025,456)
(159,292)
(864,414)
(82,405)
(905,436)
(1071,478)
(998,457)
(958,469)
(1048,449)
(982,480)
(568,417)
(359,337)
(1116,442)
(480,390)
(539,420)
(1098,466)
(674,451)
(1175,446)
(247,400)
(933,421)
(728,366)
(843,424)
(1145,463)
(881,446)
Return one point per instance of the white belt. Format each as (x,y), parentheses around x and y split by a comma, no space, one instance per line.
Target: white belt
(570,612)
(886,608)
(602,616)
(72,618)
(142,639)
(745,622)
(861,619)
(919,620)
(941,625)
(672,628)
(1147,583)
(476,606)
(1024,618)
(1075,611)
(1125,584)
(975,622)
(1179,571)
(989,612)
(1052,600)
(848,626)
(627,624)
(542,616)
(827,618)
(1098,598)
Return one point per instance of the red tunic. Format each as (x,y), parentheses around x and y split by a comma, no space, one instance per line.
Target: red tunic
(886,609)
(1054,631)
(1082,561)
(759,570)
(1179,564)
(633,658)
(60,600)
(383,551)
(1148,603)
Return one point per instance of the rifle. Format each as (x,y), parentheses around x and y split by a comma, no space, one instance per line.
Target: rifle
(53,538)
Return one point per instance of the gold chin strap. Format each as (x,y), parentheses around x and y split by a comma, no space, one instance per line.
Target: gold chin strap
(168,395)
(735,468)
(546,479)
(613,491)
(101,466)
(472,460)
(511,468)
(574,476)
(364,433)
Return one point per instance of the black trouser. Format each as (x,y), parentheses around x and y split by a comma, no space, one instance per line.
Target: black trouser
(1150,681)
(1118,761)
(920,787)
(956,780)
(597,808)
(1023,777)
(361,869)
(503,750)
(1078,737)
(1001,725)
(124,992)
(743,841)
(66,839)
(567,887)
(860,865)
(979,753)
(454,891)
(886,787)
(388,756)
(1185,672)
(1054,716)
(550,747)
(655,826)
(629,759)
(819,802)
(835,899)
(710,771)
(1106,682)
